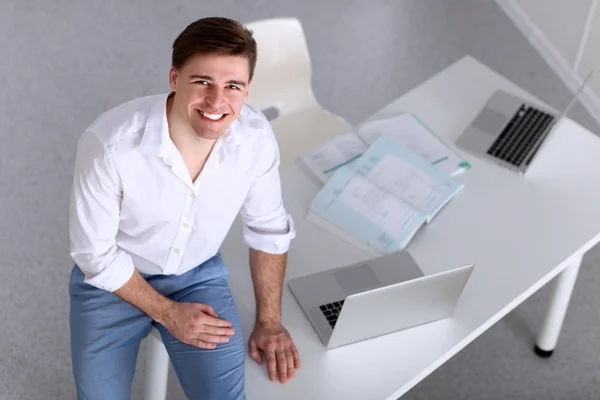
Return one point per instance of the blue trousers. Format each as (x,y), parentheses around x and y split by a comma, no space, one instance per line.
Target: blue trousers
(106,332)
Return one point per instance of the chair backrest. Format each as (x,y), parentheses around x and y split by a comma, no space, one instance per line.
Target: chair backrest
(282,79)
(281,89)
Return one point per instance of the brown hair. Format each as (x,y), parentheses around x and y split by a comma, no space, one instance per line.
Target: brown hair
(215,35)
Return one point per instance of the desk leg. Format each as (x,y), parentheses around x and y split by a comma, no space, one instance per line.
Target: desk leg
(557,309)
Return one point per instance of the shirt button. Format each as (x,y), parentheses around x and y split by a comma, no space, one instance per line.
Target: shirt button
(186,225)
(177,251)
(192,196)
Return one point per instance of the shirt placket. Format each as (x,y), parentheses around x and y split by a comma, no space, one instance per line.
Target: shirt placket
(187,216)
(184,230)
(183,235)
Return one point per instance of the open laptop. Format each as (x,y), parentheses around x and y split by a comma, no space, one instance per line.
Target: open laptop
(376,297)
(510,130)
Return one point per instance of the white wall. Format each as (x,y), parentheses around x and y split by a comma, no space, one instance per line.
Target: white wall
(567,34)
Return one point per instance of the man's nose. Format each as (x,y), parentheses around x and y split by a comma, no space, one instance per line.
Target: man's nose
(215,98)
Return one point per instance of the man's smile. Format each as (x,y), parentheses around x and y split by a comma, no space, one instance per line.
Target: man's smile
(210,116)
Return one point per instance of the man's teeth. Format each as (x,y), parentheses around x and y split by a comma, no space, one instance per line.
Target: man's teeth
(214,117)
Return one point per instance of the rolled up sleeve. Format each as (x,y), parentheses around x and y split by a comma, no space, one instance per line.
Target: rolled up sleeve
(94,217)
(267,225)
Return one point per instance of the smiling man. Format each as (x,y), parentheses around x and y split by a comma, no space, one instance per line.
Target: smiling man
(158,182)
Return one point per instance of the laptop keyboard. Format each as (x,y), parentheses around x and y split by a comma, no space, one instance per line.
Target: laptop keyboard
(520,135)
(331,311)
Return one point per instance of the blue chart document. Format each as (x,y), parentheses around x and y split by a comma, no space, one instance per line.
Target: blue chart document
(380,200)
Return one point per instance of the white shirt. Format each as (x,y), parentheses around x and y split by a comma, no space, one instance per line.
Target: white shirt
(134,205)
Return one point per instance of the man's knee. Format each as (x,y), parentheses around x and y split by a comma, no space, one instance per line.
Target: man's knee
(215,373)
(207,374)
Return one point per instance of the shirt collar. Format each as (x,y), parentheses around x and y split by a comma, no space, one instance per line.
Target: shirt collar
(156,140)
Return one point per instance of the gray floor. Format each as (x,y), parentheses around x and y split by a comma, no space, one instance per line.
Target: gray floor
(65,62)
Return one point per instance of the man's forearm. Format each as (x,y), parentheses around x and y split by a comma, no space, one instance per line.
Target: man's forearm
(268,271)
(139,293)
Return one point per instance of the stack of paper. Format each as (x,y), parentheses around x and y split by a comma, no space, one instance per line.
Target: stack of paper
(377,197)
(406,128)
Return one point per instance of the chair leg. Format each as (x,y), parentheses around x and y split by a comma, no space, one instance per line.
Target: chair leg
(157,370)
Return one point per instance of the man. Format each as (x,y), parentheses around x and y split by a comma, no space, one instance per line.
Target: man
(157,184)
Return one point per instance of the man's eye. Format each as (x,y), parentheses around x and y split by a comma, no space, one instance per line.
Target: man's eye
(201,82)
(234,87)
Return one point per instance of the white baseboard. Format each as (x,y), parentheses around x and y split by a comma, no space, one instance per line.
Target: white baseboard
(552,56)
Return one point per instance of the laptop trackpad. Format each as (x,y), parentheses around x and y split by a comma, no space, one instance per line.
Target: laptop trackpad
(356,279)
(490,121)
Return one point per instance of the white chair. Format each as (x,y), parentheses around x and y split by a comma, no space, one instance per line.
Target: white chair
(157,368)
(281,88)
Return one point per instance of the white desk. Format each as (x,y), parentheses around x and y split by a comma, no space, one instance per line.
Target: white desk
(519,232)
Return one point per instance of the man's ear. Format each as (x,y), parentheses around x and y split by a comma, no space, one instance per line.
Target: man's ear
(173,74)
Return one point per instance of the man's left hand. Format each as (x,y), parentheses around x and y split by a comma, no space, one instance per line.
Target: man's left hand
(276,345)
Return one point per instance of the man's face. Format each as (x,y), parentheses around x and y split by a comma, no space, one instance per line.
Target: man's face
(210,92)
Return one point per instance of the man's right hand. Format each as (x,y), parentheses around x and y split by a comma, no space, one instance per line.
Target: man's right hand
(198,325)
(193,323)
